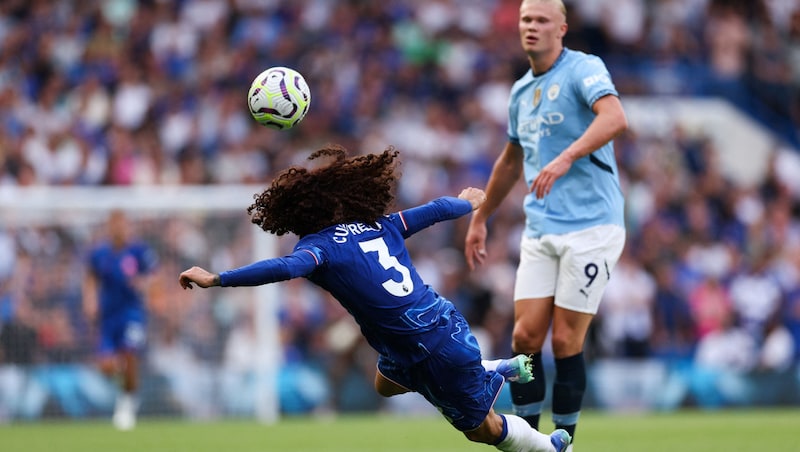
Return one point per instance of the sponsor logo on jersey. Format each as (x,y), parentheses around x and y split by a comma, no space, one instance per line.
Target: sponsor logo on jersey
(593,79)
(540,125)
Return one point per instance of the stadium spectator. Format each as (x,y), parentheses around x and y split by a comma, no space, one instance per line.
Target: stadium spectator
(626,313)
(21,395)
(673,335)
(377,69)
(756,293)
(189,379)
(791,315)
(723,359)
(710,304)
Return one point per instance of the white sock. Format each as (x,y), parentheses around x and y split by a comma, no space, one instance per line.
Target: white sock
(522,437)
(125,412)
(491,364)
(126,402)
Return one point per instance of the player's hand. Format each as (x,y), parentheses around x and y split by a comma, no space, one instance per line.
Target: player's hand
(544,181)
(475,196)
(475,244)
(200,276)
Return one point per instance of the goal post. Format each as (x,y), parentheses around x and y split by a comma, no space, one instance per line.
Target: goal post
(189,360)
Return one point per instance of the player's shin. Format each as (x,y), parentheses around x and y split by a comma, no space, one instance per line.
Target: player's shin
(568,390)
(520,436)
(527,399)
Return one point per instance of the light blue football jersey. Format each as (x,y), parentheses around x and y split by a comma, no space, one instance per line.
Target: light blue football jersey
(546,114)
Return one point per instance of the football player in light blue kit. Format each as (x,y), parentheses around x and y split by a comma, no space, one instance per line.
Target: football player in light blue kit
(113,290)
(351,248)
(563,114)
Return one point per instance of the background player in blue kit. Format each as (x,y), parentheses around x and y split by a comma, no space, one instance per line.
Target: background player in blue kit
(350,247)
(563,114)
(114,301)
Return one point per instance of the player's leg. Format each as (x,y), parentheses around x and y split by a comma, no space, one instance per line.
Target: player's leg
(109,339)
(534,289)
(532,320)
(125,408)
(387,387)
(464,391)
(128,350)
(130,371)
(587,259)
(511,433)
(391,378)
(108,364)
(106,359)
(465,396)
(569,334)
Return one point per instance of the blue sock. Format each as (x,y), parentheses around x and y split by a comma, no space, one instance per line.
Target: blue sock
(568,392)
(528,398)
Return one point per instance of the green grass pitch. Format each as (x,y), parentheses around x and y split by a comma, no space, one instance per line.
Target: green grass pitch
(684,431)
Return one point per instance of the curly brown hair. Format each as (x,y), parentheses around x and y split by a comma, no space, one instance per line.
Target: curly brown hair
(348,189)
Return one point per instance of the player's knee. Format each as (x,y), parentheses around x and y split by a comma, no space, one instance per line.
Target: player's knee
(490,430)
(566,343)
(380,389)
(523,341)
(384,392)
(386,388)
(108,366)
(484,434)
(481,436)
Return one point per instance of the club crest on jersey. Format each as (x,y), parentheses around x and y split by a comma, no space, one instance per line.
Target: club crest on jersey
(553,91)
(537,97)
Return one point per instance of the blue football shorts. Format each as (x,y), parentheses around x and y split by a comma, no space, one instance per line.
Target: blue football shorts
(122,333)
(452,378)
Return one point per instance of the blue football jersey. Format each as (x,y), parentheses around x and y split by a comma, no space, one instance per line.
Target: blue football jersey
(547,113)
(367,268)
(114,270)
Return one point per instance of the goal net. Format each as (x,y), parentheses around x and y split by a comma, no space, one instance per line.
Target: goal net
(210,353)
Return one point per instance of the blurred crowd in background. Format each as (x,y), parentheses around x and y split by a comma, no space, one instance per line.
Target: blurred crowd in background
(125,92)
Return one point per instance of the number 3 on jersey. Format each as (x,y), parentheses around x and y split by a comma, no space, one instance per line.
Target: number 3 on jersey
(398,289)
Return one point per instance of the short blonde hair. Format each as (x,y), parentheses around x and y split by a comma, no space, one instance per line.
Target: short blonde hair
(559,3)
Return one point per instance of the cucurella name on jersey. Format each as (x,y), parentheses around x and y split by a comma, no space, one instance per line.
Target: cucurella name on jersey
(342,231)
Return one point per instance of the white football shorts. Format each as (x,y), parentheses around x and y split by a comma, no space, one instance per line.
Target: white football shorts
(574,267)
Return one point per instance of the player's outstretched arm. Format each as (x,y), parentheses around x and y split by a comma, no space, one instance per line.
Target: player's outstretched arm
(200,276)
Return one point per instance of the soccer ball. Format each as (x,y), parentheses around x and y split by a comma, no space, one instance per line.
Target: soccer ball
(279,98)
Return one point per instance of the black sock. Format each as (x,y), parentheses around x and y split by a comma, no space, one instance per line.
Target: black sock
(568,392)
(525,394)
